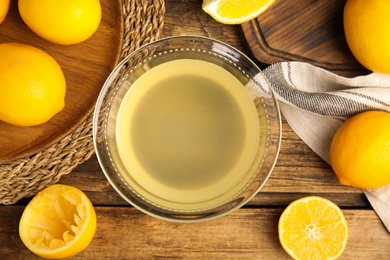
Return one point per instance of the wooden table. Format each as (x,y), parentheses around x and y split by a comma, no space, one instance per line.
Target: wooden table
(249,233)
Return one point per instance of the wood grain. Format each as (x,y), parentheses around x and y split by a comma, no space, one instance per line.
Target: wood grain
(294,176)
(85,73)
(249,233)
(126,233)
(301,30)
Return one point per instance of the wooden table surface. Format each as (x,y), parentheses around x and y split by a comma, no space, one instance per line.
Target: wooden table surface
(249,233)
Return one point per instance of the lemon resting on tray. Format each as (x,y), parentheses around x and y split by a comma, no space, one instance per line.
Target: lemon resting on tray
(62,22)
(32,87)
(4,7)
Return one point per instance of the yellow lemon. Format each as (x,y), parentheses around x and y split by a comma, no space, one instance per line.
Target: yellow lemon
(360,150)
(59,222)
(61,21)
(4,7)
(367,31)
(33,86)
(313,228)
(235,11)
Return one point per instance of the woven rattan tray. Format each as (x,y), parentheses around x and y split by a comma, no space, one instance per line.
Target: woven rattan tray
(24,177)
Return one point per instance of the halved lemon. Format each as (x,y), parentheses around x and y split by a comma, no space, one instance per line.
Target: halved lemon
(59,222)
(313,228)
(235,11)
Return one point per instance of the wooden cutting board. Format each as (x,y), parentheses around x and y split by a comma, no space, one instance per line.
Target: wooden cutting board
(302,30)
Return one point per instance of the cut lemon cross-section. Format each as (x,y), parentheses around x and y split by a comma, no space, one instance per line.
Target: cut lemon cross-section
(313,228)
(235,11)
(59,222)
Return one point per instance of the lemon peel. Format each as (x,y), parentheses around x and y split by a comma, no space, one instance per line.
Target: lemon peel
(235,11)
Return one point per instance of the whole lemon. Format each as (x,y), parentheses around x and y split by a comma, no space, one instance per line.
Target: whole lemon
(360,150)
(4,6)
(61,21)
(32,85)
(367,31)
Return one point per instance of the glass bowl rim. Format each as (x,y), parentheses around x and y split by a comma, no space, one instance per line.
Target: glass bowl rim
(106,87)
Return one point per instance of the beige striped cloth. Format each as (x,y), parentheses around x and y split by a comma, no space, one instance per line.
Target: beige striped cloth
(315,102)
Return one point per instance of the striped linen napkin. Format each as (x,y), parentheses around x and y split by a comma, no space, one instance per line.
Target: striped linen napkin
(315,102)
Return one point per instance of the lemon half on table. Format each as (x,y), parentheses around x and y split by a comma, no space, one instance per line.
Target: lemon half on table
(235,11)
(313,228)
(59,222)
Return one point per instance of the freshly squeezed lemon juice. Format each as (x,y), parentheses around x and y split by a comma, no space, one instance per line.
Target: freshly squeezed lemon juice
(187,132)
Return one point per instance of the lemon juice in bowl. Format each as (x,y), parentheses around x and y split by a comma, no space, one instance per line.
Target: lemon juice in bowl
(187,134)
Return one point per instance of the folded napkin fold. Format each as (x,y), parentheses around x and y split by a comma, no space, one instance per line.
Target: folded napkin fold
(315,102)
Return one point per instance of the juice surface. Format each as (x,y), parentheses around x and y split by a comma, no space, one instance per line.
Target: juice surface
(187,131)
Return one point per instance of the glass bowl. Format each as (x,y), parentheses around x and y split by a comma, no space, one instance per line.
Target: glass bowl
(187,129)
